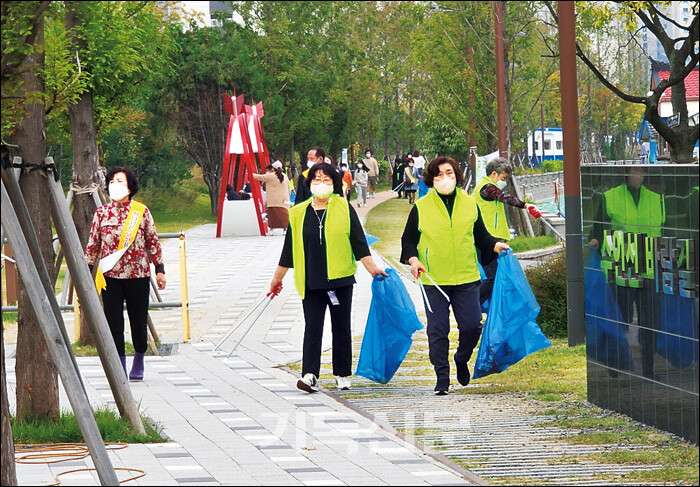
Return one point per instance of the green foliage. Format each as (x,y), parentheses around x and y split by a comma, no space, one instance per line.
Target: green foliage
(148,148)
(442,137)
(20,23)
(459,94)
(9,317)
(552,166)
(126,46)
(522,243)
(65,429)
(548,283)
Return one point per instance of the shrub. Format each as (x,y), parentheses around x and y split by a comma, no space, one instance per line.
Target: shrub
(548,282)
(552,166)
(385,171)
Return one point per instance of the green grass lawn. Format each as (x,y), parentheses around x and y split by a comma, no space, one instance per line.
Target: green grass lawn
(386,221)
(65,429)
(178,208)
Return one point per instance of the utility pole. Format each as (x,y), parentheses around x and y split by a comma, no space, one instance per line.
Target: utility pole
(500,80)
(542,128)
(572,174)
(607,130)
(472,121)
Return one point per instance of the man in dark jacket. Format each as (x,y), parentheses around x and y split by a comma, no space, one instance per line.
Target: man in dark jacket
(315,155)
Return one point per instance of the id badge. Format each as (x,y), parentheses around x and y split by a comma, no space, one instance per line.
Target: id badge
(333,298)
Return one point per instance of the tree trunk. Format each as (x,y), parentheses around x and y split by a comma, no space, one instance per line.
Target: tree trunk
(85,156)
(8,474)
(37,382)
(212,180)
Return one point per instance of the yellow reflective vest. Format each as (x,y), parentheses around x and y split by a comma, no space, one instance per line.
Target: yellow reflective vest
(492,212)
(336,232)
(645,217)
(446,246)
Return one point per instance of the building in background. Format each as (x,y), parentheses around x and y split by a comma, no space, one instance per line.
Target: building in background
(553,149)
(648,136)
(207,14)
(679,12)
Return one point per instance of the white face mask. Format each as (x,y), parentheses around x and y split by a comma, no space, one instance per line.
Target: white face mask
(359,166)
(368,155)
(117,191)
(501,185)
(445,186)
(309,164)
(322,191)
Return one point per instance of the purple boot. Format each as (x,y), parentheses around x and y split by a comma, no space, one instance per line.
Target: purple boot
(136,373)
(122,359)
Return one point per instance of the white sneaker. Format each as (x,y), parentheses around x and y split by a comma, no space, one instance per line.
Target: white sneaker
(308,383)
(343,383)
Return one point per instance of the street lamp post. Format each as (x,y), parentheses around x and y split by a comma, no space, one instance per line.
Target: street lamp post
(572,174)
(500,80)
(472,121)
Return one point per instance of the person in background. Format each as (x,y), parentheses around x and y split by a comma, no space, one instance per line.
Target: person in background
(491,198)
(440,239)
(331,161)
(410,181)
(230,193)
(360,182)
(418,161)
(124,242)
(277,190)
(347,180)
(373,172)
(315,155)
(323,243)
(397,176)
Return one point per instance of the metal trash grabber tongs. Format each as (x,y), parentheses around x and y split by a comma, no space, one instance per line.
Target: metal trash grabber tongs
(551,227)
(422,290)
(271,295)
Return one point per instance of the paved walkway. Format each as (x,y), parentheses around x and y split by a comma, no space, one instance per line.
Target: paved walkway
(241,420)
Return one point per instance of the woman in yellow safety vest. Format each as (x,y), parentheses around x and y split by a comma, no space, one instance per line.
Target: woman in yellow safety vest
(440,239)
(324,239)
(490,196)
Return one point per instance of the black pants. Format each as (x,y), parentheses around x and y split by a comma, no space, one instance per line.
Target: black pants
(315,304)
(464,300)
(135,292)
(486,286)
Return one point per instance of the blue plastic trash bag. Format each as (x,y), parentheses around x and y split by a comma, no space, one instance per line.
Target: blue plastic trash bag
(422,188)
(371,239)
(482,275)
(679,324)
(606,332)
(390,325)
(511,331)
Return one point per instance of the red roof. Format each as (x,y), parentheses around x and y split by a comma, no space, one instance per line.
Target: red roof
(691,85)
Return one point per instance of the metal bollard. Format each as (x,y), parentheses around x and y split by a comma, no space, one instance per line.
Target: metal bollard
(183,291)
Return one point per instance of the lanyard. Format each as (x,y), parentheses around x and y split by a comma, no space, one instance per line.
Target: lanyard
(425,296)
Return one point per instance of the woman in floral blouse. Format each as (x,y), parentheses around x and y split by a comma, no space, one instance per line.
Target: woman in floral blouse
(125,258)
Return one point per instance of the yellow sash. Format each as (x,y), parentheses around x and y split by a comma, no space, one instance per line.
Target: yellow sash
(129,230)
